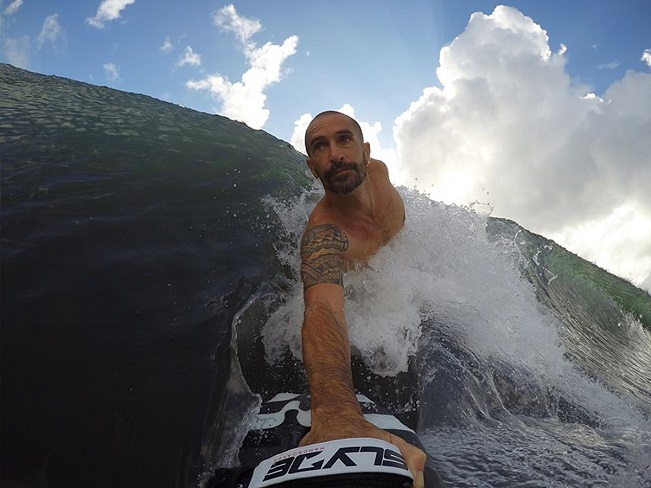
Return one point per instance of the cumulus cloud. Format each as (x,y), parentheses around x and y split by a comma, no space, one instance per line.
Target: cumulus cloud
(244,100)
(627,222)
(51,31)
(111,71)
(13,7)
(16,51)
(167,46)
(646,57)
(508,126)
(108,11)
(227,19)
(608,66)
(189,57)
(298,135)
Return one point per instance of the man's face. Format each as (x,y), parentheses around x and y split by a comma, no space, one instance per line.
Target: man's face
(338,155)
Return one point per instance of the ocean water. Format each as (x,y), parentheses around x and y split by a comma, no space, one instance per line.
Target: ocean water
(508,392)
(150,300)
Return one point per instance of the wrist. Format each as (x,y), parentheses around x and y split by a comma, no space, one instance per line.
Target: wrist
(346,411)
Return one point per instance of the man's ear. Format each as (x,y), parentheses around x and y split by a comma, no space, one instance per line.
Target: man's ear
(367,152)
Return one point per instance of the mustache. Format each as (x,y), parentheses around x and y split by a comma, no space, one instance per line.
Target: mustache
(338,166)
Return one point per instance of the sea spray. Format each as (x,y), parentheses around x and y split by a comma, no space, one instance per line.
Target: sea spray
(441,266)
(442,275)
(162,240)
(500,401)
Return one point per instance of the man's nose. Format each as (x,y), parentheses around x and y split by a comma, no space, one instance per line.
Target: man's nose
(336,153)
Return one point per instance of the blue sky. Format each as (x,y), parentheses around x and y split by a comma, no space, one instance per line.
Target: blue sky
(343,47)
(538,109)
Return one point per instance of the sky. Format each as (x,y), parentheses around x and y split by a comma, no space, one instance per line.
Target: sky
(539,112)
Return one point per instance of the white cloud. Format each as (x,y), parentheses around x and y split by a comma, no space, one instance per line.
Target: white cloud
(51,30)
(227,19)
(167,46)
(13,7)
(624,232)
(245,100)
(189,57)
(608,66)
(108,11)
(509,127)
(646,57)
(298,136)
(111,71)
(15,50)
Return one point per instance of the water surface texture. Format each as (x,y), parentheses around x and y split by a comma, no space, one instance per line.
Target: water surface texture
(150,299)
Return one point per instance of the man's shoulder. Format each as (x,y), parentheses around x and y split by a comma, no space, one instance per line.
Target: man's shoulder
(321,215)
(323,229)
(379,167)
(324,226)
(322,249)
(324,236)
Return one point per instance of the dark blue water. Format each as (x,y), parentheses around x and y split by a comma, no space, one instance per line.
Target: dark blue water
(131,233)
(149,256)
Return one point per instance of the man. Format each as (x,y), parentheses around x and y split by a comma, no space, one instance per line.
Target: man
(360,212)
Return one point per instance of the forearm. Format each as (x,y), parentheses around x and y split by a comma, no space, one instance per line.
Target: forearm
(326,357)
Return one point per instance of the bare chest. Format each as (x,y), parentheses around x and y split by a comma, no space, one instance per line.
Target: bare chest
(365,237)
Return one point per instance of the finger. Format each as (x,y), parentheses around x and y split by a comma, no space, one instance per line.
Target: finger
(414,457)
(419,481)
(306,440)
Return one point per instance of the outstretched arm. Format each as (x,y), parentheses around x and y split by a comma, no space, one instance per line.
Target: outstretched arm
(326,348)
(336,413)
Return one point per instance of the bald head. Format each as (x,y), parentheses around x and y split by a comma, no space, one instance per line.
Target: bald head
(330,113)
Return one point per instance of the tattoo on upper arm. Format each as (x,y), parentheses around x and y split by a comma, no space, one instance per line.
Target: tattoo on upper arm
(321,249)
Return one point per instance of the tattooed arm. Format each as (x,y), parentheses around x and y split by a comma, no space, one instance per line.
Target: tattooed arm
(336,414)
(326,348)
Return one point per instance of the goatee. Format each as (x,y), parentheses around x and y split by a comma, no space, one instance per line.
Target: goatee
(344,183)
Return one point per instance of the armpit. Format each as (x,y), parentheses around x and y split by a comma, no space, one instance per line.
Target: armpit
(321,249)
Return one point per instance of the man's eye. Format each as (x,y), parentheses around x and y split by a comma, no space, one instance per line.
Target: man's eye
(318,146)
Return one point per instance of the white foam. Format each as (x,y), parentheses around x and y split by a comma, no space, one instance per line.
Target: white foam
(442,267)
